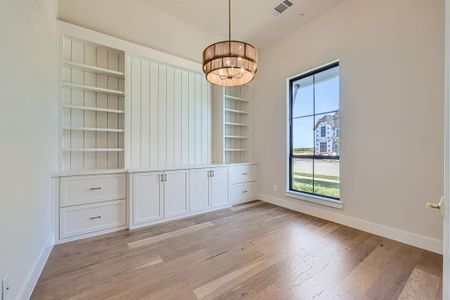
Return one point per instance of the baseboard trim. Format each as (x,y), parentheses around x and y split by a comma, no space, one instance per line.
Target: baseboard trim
(32,278)
(399,235)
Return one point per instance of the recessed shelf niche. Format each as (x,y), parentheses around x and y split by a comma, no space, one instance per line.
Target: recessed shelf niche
(232,109)
(91,106)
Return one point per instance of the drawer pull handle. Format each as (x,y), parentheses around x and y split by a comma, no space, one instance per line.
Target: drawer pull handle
(243,192)
(244,173)
(94,218)
(95,188)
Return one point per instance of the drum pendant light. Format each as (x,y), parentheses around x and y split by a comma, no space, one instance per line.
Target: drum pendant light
(230,63)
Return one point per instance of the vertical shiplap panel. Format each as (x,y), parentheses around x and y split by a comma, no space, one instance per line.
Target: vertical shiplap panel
(198,119)
(136,112)
(89,116)
(204,114)
(162,132)
(209,107)
(184,117)
(170,117)
(102,101)
(177,118)
(154,114)
(145,114)
(76,118)
(191,92)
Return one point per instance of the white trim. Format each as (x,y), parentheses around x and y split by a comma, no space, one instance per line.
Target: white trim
(446,202)
(314,69)
(315,199)
(399,235)
(27,288)
(182,216)
(130,48)
(90,234)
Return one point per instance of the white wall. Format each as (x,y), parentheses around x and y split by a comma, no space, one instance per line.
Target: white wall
(138,22)
(392,108)
(28,101)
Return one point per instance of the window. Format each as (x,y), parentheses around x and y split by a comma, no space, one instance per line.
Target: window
(314,129)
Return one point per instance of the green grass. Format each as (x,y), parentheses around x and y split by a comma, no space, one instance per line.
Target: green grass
(318,176)
(323,188)
(303,150)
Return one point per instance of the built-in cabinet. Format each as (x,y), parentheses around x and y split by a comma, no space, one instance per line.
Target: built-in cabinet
(176,184)
(147,197)
(199,189)
(218,186)
(208,188)
(90,204)
(143,137)
(168,194)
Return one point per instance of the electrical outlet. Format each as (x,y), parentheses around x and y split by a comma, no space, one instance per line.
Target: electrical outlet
(6,288)
(275,188)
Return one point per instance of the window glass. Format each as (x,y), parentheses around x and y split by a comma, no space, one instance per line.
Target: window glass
(314,133)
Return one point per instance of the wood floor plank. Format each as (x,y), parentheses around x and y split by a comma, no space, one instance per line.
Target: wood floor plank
(248,205)
(161,237)
(273,292)
(258,251)
(152,262)
(420,285)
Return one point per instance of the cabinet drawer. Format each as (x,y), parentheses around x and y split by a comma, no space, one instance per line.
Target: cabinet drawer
(90,189)
(242,174)
(89,218)
(243,192)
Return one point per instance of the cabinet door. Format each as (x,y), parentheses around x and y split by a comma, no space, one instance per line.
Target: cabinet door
(219,187)
(198,189)
(175,193)
(147,198)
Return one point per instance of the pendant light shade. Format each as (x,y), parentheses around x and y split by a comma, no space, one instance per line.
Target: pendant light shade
(230,63)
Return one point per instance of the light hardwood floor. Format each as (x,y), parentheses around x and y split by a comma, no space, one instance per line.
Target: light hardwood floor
(254,251)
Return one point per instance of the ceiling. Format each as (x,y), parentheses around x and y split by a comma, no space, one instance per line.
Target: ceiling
(252,20)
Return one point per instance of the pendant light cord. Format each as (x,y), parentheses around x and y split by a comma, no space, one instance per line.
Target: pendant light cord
(229,20)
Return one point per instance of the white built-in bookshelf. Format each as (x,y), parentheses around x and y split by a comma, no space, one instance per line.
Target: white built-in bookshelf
(91,106)
(232,124)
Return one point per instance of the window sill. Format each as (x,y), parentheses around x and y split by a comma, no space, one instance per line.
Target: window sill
(315,199)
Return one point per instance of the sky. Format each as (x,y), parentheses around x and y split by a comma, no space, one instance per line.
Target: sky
(327,99)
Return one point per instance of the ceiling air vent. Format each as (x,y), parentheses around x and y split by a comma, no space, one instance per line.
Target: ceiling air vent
(280,8)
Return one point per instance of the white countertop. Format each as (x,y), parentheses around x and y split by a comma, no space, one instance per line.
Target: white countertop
(144,170)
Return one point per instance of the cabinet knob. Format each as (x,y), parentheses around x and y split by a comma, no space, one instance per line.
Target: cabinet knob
(244,173)
(95,188)
(94,218)
(245,191)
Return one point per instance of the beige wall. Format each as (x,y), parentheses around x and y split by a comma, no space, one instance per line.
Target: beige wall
(392,108)
(28,102)
(137,22)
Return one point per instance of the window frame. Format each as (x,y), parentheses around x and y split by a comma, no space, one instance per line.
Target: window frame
(311,197)
(323,130)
